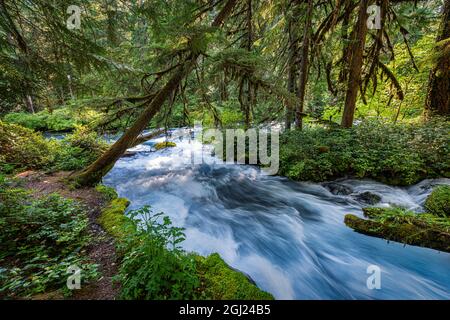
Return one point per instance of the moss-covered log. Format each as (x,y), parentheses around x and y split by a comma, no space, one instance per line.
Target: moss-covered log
(423,230)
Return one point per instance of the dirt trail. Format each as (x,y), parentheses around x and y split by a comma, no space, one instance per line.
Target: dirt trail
(101,249)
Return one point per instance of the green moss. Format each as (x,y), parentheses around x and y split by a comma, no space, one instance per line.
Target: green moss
(425,230)
(166,144)
(220,282)
(438,202)
(108,193)
(113,219)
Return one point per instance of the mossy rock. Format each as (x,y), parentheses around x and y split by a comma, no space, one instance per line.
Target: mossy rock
(113,218)
(368,197)
(165,144)
(220,282)
(108,193)
(438,202)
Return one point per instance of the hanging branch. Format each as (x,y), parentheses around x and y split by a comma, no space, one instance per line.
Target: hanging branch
(394,80)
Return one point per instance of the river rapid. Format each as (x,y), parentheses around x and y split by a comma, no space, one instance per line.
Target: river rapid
(289,237)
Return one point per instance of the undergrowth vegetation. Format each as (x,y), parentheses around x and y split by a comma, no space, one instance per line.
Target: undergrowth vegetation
(154,266)
(61,119)
(39,239)
(22,148)
(400,154)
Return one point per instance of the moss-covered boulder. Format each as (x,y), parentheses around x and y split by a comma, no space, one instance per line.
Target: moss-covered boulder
(220,282)
(113,218)
(438,202)
(108,193)
(165,144)
(425,230)
(368,197)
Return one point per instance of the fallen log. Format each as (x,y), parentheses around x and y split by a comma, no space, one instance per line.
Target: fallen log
(422,230)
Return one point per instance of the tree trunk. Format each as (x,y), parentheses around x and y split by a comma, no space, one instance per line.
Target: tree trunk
(292,61)
(438,95)
(247,84)
(304,66)
(291,88)
(94,173)
(344,39)
(29,103)
(355,65)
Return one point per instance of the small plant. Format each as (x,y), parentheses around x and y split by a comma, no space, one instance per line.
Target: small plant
(22,148)
(154,266)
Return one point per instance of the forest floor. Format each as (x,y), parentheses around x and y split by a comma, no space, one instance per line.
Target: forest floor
(101,249)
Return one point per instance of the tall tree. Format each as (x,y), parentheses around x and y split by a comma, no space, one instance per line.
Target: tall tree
(438,95)
(304,66)
(292,60)
(355,64)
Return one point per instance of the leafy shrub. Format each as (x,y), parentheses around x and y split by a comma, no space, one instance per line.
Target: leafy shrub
(40,239)
(22,148)
(153,265)
(66,118)
(78,149)
(58,120)
(438,202)
(396,154)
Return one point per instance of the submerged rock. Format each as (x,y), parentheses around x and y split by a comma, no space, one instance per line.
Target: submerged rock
(368,197)
(128,154)
(338,189)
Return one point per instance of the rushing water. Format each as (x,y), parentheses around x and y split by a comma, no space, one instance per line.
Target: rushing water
(288,236)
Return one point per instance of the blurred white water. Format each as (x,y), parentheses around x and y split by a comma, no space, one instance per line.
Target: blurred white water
(288,236)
